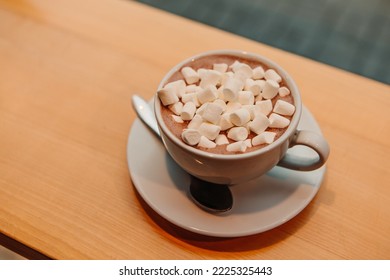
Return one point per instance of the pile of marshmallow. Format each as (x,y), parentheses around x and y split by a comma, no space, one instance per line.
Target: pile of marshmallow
(228,102)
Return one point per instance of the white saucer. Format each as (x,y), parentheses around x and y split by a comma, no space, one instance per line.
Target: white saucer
(259,205)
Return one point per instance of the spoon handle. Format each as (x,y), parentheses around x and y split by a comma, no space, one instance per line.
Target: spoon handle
(145,113)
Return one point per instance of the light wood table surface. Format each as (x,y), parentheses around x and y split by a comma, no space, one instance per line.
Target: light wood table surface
(68,69)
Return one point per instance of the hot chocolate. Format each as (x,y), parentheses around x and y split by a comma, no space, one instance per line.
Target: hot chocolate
(226,104)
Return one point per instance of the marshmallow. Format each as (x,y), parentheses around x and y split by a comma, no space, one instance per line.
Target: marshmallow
(192,88)
(225,122)
(246,97)
(247,127)
(221,139)
(260,84)
(256,109)
(191,97)
(277,121)
(167,96)
(242,70)
(221,104)
(283,91)
(209,130)
(206,143)
(259,124)
(238,146)
(231,88)
(271,74)
(241,76)
(210,78)
(258,98)
(220,67)
(220,93)
(248,83)
(264,106)
(207,95)
(188,111)
(225,76)
(176,108)
(284,108)
(211,113)
(251,110)
(177,119)
(231,106)
(179,87)
(234,65)
(248,143)
(255,86)
(270,89)
(258,73)
(202,72)
(195,123)
(190,75)
(191,136)
(238,133)
(240,117)
(266,137)
(201,108)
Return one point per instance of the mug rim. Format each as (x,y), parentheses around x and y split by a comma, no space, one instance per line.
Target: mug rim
(247,55)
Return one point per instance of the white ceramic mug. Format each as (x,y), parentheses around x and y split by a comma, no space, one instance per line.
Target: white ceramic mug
(238,168)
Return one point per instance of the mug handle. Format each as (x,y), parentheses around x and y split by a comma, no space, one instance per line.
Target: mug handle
(312,140)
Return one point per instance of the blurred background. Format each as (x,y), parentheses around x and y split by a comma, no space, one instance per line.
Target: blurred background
(353,35)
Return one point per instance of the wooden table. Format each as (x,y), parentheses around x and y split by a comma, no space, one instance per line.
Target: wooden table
(68,69)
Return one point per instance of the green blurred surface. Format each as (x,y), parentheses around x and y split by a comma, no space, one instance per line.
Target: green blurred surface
(349,34)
